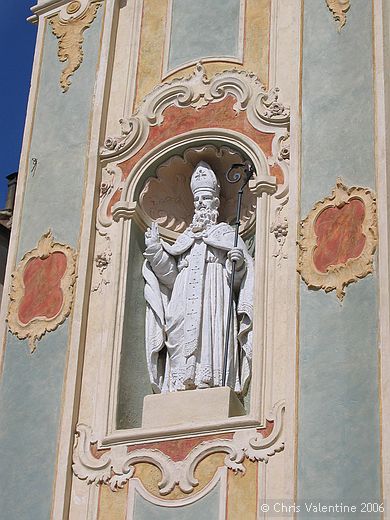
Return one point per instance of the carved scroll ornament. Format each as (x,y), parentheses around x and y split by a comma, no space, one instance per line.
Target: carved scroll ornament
(102,263)
(115,466)
(339,9)
(279,228)
(42,290)
(263,108)
(249,116)
(69,26)
(338,239)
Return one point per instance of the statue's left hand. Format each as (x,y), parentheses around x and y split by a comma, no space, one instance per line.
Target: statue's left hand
(236,255)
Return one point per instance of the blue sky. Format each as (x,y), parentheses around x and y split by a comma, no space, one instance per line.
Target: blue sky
(17,43)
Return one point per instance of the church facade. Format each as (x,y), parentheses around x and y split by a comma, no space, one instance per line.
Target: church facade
(131,102)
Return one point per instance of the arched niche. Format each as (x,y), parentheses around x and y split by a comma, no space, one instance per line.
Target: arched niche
(231,110)
(158,189)
(219,147)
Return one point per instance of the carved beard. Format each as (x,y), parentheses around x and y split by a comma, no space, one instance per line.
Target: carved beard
(203,218)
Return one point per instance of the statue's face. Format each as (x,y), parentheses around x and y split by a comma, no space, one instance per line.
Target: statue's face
(204,200)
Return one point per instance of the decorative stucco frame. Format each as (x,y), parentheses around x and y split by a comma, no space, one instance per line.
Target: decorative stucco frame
(339,276)
(251,435)
(280,331)
(116,465)
(39,325)
(127,215)
(266,114)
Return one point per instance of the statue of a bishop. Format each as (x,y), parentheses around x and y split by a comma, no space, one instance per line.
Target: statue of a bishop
(187,294)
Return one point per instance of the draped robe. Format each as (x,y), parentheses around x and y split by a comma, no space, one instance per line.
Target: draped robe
(187,288)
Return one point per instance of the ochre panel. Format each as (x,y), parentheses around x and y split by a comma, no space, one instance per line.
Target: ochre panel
(112,506)
(150,476)
(257,38)
(206,469)
(242,493)
(151,55)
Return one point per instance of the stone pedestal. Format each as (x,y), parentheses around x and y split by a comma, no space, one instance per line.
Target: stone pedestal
(190,406)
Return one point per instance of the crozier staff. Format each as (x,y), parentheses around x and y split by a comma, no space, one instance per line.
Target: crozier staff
(187,289)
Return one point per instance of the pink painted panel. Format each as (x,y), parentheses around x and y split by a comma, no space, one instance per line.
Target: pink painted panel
(339,234)
(43,295)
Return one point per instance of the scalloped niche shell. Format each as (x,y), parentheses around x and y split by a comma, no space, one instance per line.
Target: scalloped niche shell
(167,198)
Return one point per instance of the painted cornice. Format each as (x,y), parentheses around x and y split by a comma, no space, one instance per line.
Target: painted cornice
(46,6)
(43,7)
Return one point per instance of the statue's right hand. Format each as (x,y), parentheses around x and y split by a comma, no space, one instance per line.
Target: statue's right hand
(152,235)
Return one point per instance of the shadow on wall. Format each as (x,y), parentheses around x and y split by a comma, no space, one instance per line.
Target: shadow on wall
(5,226)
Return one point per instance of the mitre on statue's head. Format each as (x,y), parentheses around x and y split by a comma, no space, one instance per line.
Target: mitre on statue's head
(204,179)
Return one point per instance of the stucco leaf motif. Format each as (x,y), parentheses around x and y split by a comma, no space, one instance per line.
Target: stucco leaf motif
(70,34)
(339,9)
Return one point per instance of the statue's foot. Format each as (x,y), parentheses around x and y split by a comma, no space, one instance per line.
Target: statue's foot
(189,385)
(203,385)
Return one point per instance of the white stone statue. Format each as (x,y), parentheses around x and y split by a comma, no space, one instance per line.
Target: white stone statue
(187,294)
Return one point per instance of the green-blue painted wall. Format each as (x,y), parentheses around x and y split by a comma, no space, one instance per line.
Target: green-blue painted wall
(337,101)
(203,28)
(32,384)
(54,192)
(206,508)
(338,437)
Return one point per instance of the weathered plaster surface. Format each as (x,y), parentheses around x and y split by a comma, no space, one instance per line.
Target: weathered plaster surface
(337,102)
(338,437)
(54,192)
(30,396)
(154,47)
(241,498)
(29,413)
(134,382)
(242,494)
(338,410)
(203,28)
(112,506)
(206,508)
